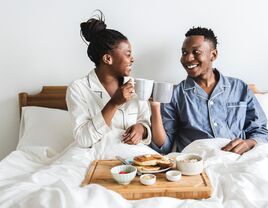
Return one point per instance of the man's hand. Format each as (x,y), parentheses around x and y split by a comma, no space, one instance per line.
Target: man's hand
(239,146)
(134,134)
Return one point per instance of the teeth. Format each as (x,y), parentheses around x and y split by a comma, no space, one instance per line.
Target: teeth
(191,66)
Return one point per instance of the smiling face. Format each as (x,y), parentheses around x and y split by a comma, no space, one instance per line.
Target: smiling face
(121,59)
(198,55)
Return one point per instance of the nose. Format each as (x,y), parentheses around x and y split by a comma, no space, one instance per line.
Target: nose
(189,57)
(132,59)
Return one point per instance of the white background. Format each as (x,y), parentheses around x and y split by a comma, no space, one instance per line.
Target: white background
(40,43)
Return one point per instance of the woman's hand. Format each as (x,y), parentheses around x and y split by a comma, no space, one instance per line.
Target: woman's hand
(123,94)
(239,146)
(134,134)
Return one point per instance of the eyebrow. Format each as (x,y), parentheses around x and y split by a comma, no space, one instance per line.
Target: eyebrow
(194,47)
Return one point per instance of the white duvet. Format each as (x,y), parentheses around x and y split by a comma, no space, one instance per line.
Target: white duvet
(28,178)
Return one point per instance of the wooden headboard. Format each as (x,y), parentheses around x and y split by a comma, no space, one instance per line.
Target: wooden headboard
(50,97)
(54,97)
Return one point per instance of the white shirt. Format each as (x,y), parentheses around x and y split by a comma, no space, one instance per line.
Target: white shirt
(86,97)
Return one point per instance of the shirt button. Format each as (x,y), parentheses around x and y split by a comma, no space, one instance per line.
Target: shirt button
(211,102)
(215,124)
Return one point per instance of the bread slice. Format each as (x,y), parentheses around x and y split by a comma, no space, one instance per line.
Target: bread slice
(152,160)
(164,164)
(148,168)
(146,160)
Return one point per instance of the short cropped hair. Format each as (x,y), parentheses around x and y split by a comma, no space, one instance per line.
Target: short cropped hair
(207,33)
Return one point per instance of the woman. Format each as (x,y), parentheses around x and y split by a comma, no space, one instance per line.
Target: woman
(102,107)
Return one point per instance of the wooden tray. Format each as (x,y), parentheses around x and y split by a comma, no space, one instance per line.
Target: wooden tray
(189,187)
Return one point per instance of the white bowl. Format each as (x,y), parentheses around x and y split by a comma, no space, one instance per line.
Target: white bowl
(124,178)
(189,164)
(173,175)
(148,179)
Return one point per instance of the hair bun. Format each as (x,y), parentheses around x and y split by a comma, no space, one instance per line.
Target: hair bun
(91,28)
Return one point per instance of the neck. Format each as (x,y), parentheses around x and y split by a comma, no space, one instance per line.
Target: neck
(105,76)
(208,80)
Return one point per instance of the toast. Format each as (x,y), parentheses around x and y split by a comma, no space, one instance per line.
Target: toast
(148,168)
(152,162)
(145,160)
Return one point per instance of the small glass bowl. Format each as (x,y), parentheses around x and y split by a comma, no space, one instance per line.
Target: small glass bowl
(148,179)
(124,174)
(173,175)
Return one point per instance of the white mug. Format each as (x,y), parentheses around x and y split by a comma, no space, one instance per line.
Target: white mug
(162,92)
(143,88)
(126,79)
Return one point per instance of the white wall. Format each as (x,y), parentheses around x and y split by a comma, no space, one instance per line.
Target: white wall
(40,43)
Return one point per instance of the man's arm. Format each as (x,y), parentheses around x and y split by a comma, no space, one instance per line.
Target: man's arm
(158,131)
(164,126)
(255,127)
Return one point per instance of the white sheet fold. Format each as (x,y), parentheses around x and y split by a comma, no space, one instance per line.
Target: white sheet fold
(30,179)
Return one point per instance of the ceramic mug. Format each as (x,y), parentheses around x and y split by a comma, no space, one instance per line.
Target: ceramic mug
(162,92)
(143,88)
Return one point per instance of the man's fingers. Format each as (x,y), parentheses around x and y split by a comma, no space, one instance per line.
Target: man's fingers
(231,145)
(241,148)
(237,146)
(238,149)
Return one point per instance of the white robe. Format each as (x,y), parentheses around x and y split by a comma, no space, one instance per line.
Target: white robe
(85,98)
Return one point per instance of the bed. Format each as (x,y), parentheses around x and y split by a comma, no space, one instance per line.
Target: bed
(47,168)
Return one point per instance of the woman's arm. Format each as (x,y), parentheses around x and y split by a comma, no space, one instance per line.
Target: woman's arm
(88,121)
(141,131)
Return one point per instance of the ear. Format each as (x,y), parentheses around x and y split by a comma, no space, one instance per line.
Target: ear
(107,59)
(213,55)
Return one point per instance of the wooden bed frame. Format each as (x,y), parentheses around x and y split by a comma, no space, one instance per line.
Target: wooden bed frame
(50,97)
(54,97)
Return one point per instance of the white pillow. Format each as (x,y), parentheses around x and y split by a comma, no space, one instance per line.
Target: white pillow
(45,127)
(263,100)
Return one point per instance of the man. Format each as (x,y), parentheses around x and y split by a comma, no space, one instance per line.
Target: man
(207,104)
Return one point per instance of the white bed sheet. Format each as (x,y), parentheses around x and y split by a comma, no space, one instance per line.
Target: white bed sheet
(28,178)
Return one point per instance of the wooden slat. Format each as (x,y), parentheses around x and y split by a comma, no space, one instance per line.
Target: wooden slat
(189,187)
(255,90)
(50,97)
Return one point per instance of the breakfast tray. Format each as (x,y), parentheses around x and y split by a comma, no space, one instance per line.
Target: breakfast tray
(189,187)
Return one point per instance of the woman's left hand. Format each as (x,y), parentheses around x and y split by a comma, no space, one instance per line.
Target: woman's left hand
(134,134)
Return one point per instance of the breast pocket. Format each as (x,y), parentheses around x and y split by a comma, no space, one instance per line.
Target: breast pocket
(131,118)
(236,114)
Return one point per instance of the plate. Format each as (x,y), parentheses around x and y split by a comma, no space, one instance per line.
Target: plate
(130,161)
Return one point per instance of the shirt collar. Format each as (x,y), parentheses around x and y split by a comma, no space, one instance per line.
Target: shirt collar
(96,86)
